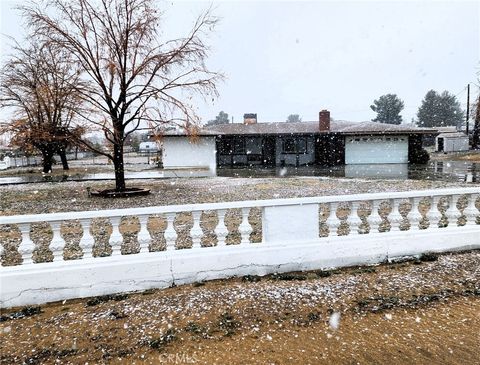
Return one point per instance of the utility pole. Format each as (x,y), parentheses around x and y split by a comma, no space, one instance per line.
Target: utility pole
(468,108)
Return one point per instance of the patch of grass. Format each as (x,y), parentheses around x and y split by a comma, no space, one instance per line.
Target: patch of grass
(251,278)
(377,304)
(24,312)
(228,324)
(194,327)
(323,273)
(428,257)
(313,316)
(117,314)
(364,270)
(162,341)
(148,292)
(105,298)
(289,277)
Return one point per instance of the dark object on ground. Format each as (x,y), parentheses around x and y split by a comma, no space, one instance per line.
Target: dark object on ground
(112,193)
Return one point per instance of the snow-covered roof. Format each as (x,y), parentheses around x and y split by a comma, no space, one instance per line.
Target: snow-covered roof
(282,128)
(453,135)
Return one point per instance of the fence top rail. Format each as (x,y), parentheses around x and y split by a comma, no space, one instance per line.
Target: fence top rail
(64,216)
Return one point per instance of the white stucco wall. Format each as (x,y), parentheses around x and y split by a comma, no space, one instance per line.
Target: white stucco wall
(376,149)
(182,152)
(5,163)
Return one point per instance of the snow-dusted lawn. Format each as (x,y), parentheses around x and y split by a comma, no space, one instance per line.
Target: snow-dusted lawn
(72,196)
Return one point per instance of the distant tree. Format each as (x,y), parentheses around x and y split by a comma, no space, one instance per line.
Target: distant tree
(476,126)
(221,118)
(388,108)
(438,110)
(294,118)
(39,84)
(133,140)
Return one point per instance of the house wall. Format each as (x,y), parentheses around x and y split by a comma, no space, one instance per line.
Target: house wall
(148,146)
(182,152)
(330,149)
(376,149)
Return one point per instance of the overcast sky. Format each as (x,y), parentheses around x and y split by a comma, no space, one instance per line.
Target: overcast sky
(284,58)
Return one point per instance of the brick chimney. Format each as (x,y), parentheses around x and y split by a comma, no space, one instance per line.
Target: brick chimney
(324,121)
(249,118)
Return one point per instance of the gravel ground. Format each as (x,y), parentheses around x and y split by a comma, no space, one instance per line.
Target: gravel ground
(423,312)
(72,196)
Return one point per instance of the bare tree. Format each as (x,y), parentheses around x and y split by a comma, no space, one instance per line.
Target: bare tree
(134,77)
(36,83)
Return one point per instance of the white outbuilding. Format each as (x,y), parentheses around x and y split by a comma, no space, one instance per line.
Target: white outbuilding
(451,142)
(148,147)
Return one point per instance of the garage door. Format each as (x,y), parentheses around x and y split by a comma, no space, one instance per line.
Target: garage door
(376,150)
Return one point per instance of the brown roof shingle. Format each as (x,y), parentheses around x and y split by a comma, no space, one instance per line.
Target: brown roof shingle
(337,126)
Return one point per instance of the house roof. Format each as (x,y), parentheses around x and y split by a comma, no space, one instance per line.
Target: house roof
(336,126)
(453,135)
(283,128)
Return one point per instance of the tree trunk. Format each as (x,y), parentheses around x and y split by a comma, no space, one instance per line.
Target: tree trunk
(63,157)
(119,167)
(47,155)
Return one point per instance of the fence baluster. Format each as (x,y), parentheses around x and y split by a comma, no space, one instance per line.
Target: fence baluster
(27,246)
(471,211)
(414,216)
(453,213)
(433,215)
(395,218)
(245,228)
(87,241)
(374,219)
(57,244)
(144,237)
(170,233)
(221,230)
(116,238)
(332,220)
(196,232)
(353,219)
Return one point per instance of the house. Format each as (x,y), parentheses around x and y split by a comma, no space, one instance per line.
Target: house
(323,142)
(451,141)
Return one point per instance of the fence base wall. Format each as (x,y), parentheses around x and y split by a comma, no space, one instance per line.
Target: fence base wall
(49,282)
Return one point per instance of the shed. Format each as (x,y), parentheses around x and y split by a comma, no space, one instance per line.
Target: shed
(451,142)
(145,147)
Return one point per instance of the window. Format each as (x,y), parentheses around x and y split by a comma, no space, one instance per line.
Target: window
(302,145)
(225,146)
(289,145)
(294,145)
(239,145)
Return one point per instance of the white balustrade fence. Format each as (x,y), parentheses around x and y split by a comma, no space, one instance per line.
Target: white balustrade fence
(187,243)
